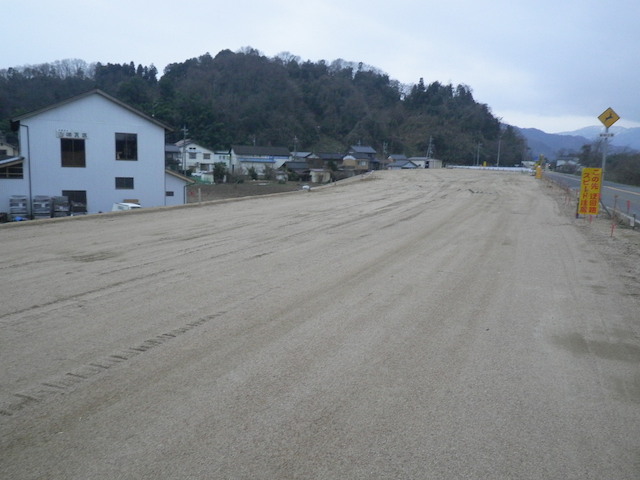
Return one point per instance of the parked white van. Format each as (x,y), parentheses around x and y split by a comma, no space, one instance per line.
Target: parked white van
(121,207)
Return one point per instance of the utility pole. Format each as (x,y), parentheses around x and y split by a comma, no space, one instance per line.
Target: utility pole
(184,149)
(502,130)
(430,147)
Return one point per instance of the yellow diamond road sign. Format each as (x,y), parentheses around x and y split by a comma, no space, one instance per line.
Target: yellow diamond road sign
(608,117)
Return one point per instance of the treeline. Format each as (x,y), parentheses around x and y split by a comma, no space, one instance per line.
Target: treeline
(247,98)
(622,166)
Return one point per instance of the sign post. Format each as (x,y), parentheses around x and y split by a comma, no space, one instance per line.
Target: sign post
(608,118)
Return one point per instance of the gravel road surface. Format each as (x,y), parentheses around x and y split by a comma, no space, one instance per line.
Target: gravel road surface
(439,324)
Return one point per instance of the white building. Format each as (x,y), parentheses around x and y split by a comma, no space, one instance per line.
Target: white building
(198,158)
(223,157)
(426,162)
(244,158)
(7,150)
(95,150)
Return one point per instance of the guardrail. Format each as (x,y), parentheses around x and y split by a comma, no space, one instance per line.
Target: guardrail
(616,215)
(497,169)
(613,211)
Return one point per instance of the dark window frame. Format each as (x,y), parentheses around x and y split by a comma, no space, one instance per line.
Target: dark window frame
(124,183)
(77,201)
(12,171)
(73,153)
(79,196)
(127,146)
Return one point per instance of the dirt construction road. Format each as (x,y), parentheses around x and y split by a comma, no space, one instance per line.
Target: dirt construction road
(441,324)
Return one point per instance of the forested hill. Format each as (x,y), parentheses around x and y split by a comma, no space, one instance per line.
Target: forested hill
(247,98)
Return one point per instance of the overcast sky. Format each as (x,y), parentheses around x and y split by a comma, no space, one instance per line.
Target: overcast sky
(549,64)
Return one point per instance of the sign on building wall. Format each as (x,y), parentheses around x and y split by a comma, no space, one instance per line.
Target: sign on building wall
(590,191)
(62,133)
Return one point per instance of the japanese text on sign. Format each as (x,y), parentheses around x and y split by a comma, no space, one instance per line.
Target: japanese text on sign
(61,133)
(590,191)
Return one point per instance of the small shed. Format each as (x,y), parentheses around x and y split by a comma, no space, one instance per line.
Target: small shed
(319,175)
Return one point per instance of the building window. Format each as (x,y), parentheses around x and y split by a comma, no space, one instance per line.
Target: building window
(192,155)
(72,152)
(124,183)
(206,156)
(12,171)
(77,201)
(126,146)
(169,194)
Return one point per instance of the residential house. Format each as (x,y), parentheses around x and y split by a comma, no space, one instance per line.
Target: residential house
(172,157)
(396,157)
(420,162)
(222,156)
(402,165)
(321,165)
(356,163)
(7,150)
(350,162)
(567,164)
(196,158)
(328,160)
(364,156)
(363,151)
(12,185)
(96,151)
(11,166)
(360,159)
(299,168)
(426,162)
(244,158)
(11,169)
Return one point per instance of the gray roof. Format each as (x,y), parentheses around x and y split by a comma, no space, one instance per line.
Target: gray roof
(331,156)
(261,151)
(362,149)
(184,178)
(298,165)
(9,160)
(402,164)
(95,91)
(359,155)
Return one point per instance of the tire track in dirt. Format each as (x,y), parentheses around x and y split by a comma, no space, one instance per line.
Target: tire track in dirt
(68,381)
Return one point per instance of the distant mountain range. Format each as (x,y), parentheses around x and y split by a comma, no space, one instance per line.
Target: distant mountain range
(553,145)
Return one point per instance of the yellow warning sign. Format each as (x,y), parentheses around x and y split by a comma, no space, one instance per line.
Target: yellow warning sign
(590,191)
(608,117)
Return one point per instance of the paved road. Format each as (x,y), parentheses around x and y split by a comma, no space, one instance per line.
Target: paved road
(623,198)
(420,325)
